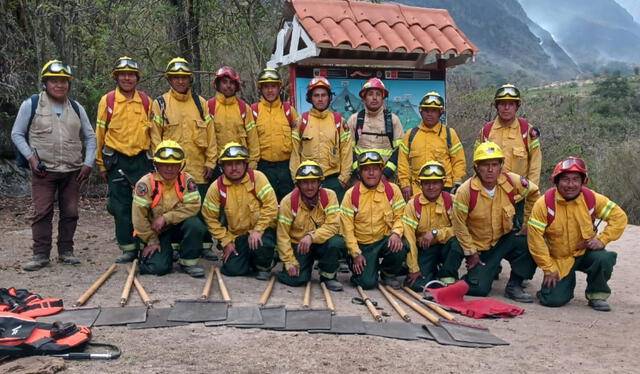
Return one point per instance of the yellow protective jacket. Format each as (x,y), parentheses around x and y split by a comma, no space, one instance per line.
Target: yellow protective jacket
(231,128)
(430,144)
(244,212)
(433,216)
(323,143)
(321,222)
(184,125)
(170,206)
(554,247)
(128,131)
(374,136)
(274,130)
(375,218)
(481,228)
(525,161)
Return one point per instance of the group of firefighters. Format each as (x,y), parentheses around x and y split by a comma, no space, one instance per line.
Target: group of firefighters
(266,184)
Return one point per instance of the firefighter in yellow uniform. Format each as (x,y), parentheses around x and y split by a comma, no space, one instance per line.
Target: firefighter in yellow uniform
(563,238)
(240,210)
(372,225)
(376,128)
(434,252)
(274,121)
(483,211)
(322,136)
(183,116)
(308,225)
(123,156)
(165,210)
(431,140)
(232,117)
(520,142)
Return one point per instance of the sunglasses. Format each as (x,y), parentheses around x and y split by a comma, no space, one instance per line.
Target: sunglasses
(170,153)
(180,66)
(434,170)
(508,92)
(58,67)
(309,170)
(365,157)
(126,63)
(236,152)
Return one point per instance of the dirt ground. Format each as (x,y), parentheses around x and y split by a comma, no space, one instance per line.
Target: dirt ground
(570,339)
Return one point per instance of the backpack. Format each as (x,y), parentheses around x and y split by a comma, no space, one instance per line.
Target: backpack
(337,118)
(27,303)
(295,200)
(355,194)
(156,191)
(223,189)
(255,109)
(24,336)
(163,106)
(241,103)
(473,199)
(111,101)
(21,161)
(550,202)
(388,126)
(524,130)
(448,203)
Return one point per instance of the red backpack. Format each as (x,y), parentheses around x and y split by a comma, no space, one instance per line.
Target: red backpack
(223,188)
(473,199)
(524,130)
(295,200)
(255,109)
(550,202)
(355,194)
(448,203)
(241,104)
(111,101)
(337,118)
(27,303)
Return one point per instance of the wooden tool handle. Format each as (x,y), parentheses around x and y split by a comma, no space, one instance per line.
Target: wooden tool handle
(413,305)
(306,301)
(94,287)
(267,291)
(372,309)
(223,288)
(394,303)
(443,313)
(141,291)
(206,291)
(127,285)
(327,298)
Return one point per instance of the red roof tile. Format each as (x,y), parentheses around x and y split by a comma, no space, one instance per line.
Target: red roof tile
(382,27)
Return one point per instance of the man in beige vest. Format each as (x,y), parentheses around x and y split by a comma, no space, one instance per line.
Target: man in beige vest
(47,134)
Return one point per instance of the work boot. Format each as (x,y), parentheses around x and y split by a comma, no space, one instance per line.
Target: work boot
(208,254)
(68,258)
(263,275)
(515,292)
(37,263)
(343,268)
(600,305)
(194,271)
(332,284)
(391,282)
(127,256)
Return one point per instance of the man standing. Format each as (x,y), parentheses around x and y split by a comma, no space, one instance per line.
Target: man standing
(122,132)
(431,140)
(240,210)
(232,117)
(183,116)
(323,136)
(563,237)
(483,211)
(274,121)
(376,128)
(165,210)
(47,133)
(372,225)
(308,226)
(434,252)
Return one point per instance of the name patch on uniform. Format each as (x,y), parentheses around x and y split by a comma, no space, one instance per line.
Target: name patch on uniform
(141,189)
(191,185)
(534,133)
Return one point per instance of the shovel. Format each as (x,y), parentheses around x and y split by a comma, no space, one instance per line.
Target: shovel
(206,291)
(127,285)
(267,291)
(223,288)
(372,309)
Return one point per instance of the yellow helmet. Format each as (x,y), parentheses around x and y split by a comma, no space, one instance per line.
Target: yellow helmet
(432,100)
(487,151)
(234,151)
(269,75)
(309,170)
(507,92)
(432,170)
(56,68)
(168,152)
(126,64)
(178,66)
(369,157)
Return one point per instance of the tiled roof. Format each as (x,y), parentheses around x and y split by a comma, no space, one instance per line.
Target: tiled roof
(382,27)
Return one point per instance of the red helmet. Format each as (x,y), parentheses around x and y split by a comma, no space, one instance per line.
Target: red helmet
(374,83)
(571,164)
(318,81)
(228,71)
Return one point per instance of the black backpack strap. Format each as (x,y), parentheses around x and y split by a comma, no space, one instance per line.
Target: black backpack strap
(196,99)
(388,125)
(448,138)
(359,124)
(163,108)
